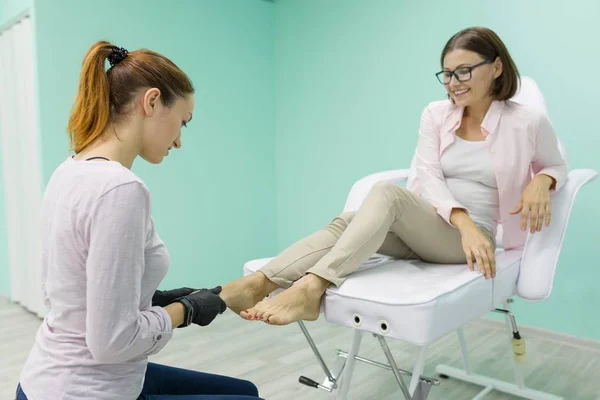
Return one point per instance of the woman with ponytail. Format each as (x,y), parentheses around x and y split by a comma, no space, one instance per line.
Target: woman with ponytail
(102,259)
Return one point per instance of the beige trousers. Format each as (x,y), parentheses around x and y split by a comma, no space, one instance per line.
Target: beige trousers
(392,221)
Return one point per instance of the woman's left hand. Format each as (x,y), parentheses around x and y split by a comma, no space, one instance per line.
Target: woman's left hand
(535,203)
(163,298)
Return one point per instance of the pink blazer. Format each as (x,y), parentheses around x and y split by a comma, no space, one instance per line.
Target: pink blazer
(521,142)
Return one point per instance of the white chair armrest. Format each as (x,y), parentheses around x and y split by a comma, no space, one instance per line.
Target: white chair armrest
(542,249)
(361,188)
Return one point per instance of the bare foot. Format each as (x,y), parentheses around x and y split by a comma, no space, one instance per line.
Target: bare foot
(301,302)
(245,292)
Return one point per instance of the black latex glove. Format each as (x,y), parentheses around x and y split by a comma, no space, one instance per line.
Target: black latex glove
(202,306)
(163,298)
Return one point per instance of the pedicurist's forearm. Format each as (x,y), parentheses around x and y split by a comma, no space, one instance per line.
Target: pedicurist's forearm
(176,312)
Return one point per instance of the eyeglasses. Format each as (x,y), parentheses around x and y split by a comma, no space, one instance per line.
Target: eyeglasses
(462,74)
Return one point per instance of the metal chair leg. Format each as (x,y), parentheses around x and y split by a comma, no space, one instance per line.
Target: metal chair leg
(490,384)
(344,369)
(418,370)
(332,381)
(422,391)
(464,350)
(390,358)
(350,363)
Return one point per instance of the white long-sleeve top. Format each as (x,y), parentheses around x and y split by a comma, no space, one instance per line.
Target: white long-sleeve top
(469,175)
(101,262)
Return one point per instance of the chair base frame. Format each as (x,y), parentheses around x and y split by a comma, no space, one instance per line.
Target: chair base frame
(340,376)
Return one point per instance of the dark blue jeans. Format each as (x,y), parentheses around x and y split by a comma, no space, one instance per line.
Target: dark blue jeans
(169,383)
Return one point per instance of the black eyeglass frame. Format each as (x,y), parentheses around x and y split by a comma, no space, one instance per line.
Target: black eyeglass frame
(470,69)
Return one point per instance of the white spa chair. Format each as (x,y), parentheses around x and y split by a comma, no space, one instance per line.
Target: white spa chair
(420,303)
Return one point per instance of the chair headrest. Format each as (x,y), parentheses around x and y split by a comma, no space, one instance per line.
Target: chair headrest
(530,94)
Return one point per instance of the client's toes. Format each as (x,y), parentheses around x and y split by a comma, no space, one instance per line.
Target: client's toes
(252,313)
(273,319)
(259,315)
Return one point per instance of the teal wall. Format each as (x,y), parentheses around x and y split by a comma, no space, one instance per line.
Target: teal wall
(354,76)
(9,10)
(297,100)
(213,200)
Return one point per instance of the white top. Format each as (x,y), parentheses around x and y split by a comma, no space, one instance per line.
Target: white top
(469,174)
(101,263)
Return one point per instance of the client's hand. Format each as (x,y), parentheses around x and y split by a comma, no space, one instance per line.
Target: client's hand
(534,204)
(163,298)
(475,244)
(202,306)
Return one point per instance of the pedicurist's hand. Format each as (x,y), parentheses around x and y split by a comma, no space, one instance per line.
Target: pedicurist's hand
(535,203)
(475,244)
(202,306)
(163,298)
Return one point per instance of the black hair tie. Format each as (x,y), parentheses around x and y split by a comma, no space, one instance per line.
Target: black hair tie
(118,54)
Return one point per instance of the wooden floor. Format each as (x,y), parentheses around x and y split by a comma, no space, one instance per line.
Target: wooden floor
(274,357)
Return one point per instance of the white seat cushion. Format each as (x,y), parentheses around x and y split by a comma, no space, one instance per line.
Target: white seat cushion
(412,300)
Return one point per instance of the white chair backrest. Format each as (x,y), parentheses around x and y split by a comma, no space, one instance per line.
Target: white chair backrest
(530,94)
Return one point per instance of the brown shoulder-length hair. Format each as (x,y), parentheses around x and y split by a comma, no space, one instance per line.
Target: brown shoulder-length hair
(104,95)
(488,45)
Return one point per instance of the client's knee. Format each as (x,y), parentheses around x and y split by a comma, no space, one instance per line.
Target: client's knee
(346,216)
(341,222)
(386,189)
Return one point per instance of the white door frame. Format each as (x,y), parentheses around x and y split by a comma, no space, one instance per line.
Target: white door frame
(21,162)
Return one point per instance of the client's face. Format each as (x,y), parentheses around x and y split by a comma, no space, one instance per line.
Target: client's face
(473,85)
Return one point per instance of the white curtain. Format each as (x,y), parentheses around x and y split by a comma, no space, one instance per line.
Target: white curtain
(21,164)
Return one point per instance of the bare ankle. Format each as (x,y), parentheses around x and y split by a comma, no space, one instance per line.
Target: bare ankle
(259,276)
(263,284)
(316,283)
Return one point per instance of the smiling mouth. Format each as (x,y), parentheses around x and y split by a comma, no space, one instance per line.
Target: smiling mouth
(461,92)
